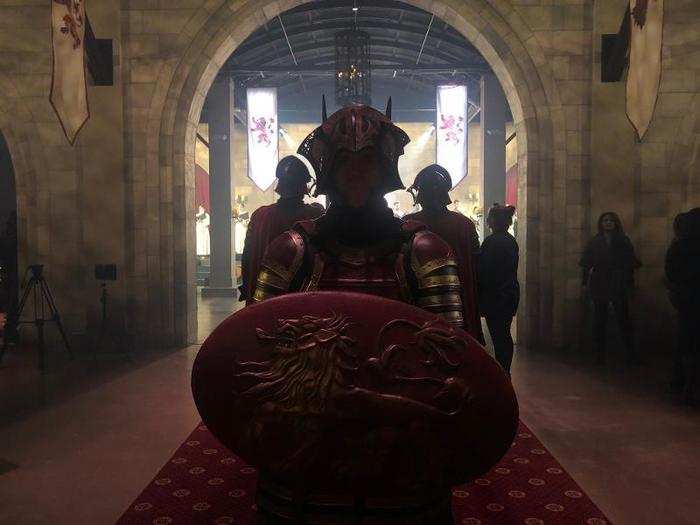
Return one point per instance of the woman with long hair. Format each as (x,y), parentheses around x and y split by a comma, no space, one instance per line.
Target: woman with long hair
(608,264)
(499,291)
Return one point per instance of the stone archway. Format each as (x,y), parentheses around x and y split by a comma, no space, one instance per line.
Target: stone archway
(494,28)
(20,133)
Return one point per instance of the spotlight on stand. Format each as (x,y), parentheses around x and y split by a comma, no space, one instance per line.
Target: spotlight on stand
(104,273)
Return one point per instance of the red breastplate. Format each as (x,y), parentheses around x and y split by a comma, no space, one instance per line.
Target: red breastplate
(376,272)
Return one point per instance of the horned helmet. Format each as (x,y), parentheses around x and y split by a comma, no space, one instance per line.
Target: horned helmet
(352,129)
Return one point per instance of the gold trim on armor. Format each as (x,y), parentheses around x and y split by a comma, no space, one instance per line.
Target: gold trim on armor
(261,295)
(283,273)
(288,273)
(452,315)
(316,274)
(454,318)
(269,278)
(438,281)
(430,266)
(448,299)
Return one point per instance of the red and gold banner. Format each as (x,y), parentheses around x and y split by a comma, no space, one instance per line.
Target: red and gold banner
(452,127)
(644,76)
(263,136)
(68,82)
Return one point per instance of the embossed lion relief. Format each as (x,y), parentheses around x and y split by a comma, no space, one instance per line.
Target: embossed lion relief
(314,369)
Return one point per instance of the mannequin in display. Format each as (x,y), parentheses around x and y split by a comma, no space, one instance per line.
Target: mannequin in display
(267,222)
(202,231)
(431,190)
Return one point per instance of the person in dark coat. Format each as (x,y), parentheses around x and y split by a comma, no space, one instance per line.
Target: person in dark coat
(608,264)
(267,222)
(430,190)
(683,280)
(499,291)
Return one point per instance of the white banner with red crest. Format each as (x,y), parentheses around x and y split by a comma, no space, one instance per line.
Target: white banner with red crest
(263,135)
(644,76)
(452,131)
(68,82)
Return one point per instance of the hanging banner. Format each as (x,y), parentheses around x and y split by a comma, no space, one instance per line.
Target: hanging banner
(644,76)
(68,82)
(452,131)
(263,134)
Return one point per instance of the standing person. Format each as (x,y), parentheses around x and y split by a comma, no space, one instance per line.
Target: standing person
(499,291)
(608,264)
(683,280)
(430,190)
(267,222)
(358,245)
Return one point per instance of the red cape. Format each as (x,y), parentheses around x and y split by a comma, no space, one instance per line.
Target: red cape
(266,223)
(460,233)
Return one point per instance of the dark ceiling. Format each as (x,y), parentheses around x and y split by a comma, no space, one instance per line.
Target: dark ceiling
(411,53)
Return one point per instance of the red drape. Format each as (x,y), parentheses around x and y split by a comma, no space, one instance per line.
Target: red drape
(201,188)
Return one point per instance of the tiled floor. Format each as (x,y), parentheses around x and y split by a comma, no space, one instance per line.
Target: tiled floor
(78,444)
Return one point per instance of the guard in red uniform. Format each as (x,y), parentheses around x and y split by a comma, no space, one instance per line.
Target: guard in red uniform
(358,245)
(430,190)
(267,222)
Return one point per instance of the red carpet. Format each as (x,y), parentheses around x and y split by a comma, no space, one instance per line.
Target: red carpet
(204,483)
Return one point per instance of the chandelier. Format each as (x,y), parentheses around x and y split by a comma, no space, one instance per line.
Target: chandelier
(353,73)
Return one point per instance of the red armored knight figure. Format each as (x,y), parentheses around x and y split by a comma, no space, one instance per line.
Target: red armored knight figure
(267,222)
(355,407)
(430,190)
(358,245)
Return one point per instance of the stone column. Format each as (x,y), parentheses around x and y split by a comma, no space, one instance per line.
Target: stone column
(494,110)
(220,104)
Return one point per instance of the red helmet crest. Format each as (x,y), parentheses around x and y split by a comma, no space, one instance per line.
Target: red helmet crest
(355,128)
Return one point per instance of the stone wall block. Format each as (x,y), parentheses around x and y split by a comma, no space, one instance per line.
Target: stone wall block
(537,17)
(673,104)
(654,179)
(570,42)
(654,205)
(142,46)
(137,169)
(165,21)
(653,154)
(144,70)
(574,92)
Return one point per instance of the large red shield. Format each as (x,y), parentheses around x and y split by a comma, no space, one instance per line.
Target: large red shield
(354,394)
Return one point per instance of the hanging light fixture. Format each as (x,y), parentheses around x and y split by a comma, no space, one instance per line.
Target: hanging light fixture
(353,74)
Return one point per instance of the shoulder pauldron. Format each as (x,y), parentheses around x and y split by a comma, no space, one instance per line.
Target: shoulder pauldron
(281,263)
(437,277)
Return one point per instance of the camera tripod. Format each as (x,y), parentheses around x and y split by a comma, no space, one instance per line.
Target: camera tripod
(43,301)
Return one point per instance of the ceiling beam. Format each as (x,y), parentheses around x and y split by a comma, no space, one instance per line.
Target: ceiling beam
(389,52)
(291,51)
(378,25)
(425,38)
(303,69)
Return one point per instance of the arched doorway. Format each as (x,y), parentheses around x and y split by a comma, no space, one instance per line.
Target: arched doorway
(411,52)
(502,39)
(9,278)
